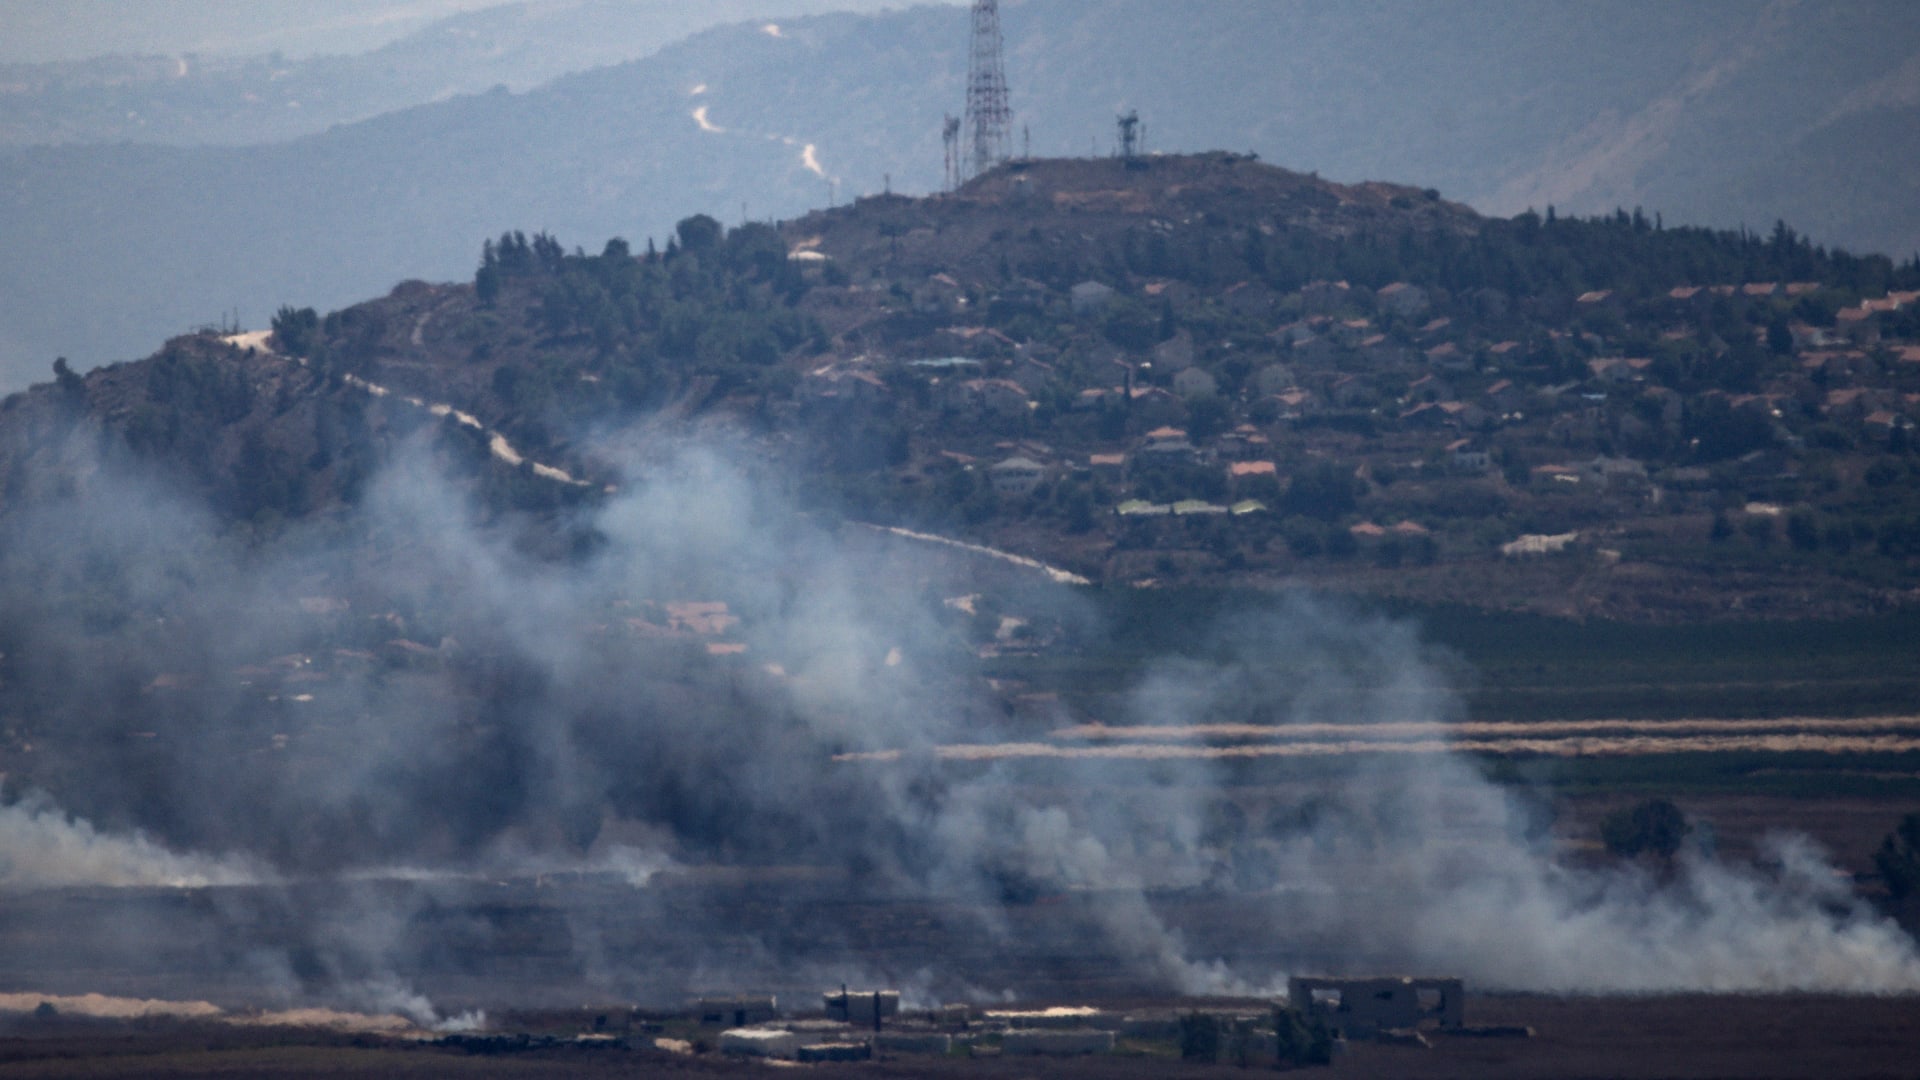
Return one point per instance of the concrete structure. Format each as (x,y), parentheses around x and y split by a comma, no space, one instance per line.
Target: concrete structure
(1363,1008)
(859,1006)
(837,1051)
(913,1042)
(1016,476)
(1034,1041)
(1058,1018)
(760,1042)
(1089,296)
(740,1010)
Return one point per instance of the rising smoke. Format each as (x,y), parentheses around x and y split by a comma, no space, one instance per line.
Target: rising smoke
(391,719)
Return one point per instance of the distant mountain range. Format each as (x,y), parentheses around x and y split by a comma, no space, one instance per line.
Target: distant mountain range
(216,100)
(1720,113)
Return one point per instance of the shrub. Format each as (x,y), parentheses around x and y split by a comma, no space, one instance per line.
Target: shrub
(1199,1037)
(1898,860)
(1656,826)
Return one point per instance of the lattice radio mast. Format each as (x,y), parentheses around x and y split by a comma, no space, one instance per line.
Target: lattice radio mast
(989,117)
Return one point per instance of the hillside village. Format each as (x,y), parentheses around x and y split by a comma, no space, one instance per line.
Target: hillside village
(1142,425)
(1167,370)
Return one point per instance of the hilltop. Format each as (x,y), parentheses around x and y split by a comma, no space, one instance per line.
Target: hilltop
(1181,369)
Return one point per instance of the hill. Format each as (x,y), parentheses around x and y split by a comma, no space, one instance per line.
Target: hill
(1714,114)
(1195,369)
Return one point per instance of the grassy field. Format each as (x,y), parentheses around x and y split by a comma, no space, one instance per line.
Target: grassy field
(1516,667)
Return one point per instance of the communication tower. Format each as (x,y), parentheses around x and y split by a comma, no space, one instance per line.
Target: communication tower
(1130,134)
(989,117)
(950,135)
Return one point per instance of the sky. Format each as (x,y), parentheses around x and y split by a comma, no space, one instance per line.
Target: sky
(45,30)
(34,31)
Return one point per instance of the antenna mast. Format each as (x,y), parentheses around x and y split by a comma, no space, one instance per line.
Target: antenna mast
(950,135)
(1130,135)
(989,117)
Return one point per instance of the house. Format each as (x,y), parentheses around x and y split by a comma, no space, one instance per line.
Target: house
(1157,406)
(1353,392)
(736,1011)
(1538,544)
(1428,388)
(1504,397)
(1241,443)
(1809,337)
(1467,456)
(1033,375)
(1402,299)
(1461,414)
(1002,398)
(1248,476)
(1178,293)
(1616,473)
(1016,476)
(1379,351)
(837,384)
(1293,333)
(1297,402)
(1166,443)
(1554,477)
(1107,466)
(1594,299)
(1327,297)
(1611,369)
(940,294)
(1849,402)
(1349,333)
(1093,399)
(1760,290)
(1195,383)
(1090,296)
(1449,357)
(1250,298)
(1858,324)
(1315,352)
(1884,423)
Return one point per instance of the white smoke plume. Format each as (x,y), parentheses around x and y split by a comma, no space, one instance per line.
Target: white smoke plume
(530,712)
(42,847)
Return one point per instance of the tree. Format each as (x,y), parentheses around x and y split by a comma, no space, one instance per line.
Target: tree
(1200,1037)
(1898,860)
(698,233)
(1324,491)
(296,331)
(69,381)
(1655,826)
